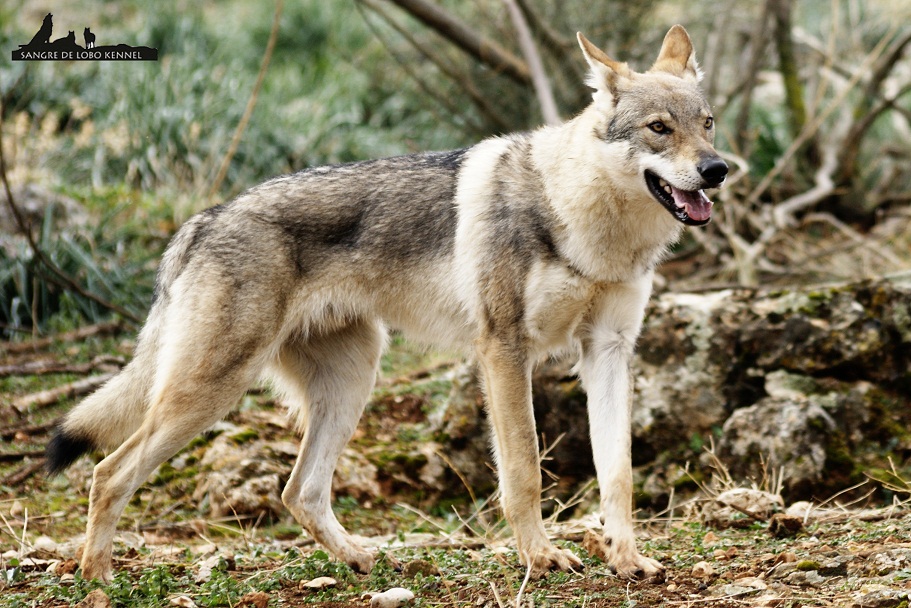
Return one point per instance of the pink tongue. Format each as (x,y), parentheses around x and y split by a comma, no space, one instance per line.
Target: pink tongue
(696,205)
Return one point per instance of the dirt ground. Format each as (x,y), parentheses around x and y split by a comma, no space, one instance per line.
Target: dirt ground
(453,551)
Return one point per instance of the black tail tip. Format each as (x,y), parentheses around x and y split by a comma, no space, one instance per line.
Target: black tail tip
(63,450)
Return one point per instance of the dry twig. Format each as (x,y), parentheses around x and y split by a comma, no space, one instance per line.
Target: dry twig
(52,396)
(76,335)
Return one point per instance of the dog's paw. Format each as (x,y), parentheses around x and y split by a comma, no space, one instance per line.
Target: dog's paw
(91,570)
(94,567)
(624,560)
(551,558)
(638,567)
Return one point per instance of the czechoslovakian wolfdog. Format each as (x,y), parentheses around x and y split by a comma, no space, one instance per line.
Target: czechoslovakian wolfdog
(519,246)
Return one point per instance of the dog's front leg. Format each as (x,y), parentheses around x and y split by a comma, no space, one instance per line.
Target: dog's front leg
(507,375)
(607,349)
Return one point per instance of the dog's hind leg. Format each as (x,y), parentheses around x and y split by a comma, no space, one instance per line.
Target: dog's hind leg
(330,376)
(203,371)
(183,410)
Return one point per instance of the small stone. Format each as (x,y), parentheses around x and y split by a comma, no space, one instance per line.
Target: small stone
(393,598)
(44,543)
(783,526)
(206,567)
(837,566)
(752,582)
(809,578)
(66,567)
(703,570)
(68,577)
(419,566)
(95,599)
(781,570)
(786,557)
(672,587)
(881,598)
(709,539)
(254,599)
(593,544)
(183,601)
(320,582)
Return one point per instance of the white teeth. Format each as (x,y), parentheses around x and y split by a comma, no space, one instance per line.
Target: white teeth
(665,185)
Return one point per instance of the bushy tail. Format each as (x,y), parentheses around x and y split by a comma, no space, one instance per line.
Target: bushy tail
(108,416)
(111,414)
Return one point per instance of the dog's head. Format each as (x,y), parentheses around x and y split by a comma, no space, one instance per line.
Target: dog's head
(660,124)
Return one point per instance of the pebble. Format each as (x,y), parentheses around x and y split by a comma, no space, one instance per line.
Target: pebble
(703,570)
(44,543)
(320,582)
(393,598)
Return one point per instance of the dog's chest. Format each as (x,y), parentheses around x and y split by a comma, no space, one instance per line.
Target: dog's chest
(556,301)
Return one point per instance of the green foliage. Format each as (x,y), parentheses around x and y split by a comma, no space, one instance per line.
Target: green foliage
(102,258)
(314,565)
(324,98)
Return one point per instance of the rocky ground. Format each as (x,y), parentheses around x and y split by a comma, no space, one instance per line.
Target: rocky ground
(800,396)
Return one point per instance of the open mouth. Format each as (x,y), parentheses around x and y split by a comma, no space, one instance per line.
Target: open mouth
(691,207)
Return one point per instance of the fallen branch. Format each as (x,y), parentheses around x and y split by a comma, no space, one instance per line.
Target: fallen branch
(104,363)
(14,456)
(26,429)
(17,477)
(54,395)
(14,348)
(812,127)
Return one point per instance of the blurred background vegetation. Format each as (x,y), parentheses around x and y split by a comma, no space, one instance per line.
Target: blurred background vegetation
(106,160)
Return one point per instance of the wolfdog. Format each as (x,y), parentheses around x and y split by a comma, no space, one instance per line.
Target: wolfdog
(517,247)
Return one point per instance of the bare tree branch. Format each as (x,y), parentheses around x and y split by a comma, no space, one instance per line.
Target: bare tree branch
(251,102)
(463,80)
(811,128)
(466,38)
(758,41)
(58,277)
(538,77)
(552,40)
(787,65)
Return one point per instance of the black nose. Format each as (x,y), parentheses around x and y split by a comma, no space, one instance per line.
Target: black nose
(713,170)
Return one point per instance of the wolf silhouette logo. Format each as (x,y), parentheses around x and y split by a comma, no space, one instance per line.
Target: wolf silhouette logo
(44,34)
(41,48)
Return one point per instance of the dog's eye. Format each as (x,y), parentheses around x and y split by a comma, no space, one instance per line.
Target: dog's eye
(659,127)
(709,122)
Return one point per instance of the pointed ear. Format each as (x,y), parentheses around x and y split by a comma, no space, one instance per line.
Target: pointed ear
(677,56)
(605,73)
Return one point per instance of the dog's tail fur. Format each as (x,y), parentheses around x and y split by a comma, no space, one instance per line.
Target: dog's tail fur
(107,417)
